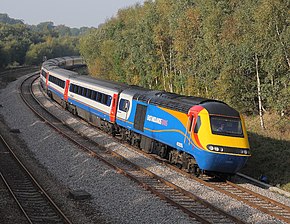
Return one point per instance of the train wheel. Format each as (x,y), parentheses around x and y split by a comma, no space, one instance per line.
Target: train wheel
(163,152)
(197,171)
(49,94)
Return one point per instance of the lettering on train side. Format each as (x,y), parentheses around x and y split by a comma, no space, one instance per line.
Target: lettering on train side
(157,120)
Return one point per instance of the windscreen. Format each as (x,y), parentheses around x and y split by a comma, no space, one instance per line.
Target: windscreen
(226,126)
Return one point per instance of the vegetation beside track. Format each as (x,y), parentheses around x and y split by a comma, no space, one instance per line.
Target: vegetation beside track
(270,150)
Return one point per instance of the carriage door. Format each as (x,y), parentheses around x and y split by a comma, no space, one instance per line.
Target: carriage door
(190,124)
(124,107)
(65,95)
(114,108)
(46,80)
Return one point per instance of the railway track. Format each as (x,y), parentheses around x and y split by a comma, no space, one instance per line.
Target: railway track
(21,70)
(189,203)
(251,198)
(260,202)
(31,198)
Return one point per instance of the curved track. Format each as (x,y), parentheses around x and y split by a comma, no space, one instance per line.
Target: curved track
(31,198)
(192,205)
(20,69)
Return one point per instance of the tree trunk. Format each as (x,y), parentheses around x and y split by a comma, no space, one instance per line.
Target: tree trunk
(165,69)
(283,46)
(259,93)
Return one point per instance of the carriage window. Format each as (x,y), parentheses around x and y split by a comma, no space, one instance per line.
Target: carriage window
(93,95)
(109,101)
(80,90)
(71,88)
(124,105)
(56,81)
(99,97)
(76,89)
(89,92)
(104,99)
(85,92)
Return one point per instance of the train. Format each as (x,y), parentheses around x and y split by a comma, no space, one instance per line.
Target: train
(197,134)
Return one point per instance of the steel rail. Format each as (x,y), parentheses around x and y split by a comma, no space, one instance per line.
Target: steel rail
(35,182)
(14,196)
(14,70)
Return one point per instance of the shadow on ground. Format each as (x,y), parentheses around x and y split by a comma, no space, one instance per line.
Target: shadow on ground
(270,157)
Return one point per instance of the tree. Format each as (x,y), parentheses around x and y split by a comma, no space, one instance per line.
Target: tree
(4,18)
(52,48)
(228,50)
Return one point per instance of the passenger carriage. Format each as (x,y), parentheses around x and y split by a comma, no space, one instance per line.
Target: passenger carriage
(94,100)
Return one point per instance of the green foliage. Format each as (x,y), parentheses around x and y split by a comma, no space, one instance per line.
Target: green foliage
(24,44)
(4,18)
(51,48)
(14,42)
(201,48)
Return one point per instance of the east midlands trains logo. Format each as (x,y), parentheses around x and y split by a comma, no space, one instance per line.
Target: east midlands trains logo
(157,120)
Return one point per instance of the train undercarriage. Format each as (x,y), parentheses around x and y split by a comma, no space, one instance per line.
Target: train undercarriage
(180,159)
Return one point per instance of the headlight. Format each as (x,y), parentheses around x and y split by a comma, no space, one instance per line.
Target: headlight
(228,150)
(216,149)
(210,147)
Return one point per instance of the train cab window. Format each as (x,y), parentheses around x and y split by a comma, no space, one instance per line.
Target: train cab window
(124,105)
(197,125)
(226,126)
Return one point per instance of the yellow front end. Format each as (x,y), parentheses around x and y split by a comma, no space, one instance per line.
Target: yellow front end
(206,137)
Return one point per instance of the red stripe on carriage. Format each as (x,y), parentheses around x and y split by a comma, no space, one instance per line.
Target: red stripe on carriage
(114,108)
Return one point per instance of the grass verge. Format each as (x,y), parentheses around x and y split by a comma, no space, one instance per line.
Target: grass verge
(270,149)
